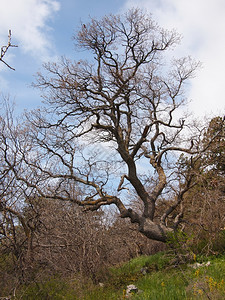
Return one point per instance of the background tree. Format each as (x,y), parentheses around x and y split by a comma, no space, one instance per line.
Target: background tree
(214,157)
(16,227)
(205,203)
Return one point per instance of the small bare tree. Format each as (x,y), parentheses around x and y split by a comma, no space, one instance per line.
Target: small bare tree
(16,227)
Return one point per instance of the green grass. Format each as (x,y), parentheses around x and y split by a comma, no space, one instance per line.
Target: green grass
(185,283)
(162,281)
(53,288)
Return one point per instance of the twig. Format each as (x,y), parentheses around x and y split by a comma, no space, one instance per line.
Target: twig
(4,49)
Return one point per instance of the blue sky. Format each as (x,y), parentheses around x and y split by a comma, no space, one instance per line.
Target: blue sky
(43,30)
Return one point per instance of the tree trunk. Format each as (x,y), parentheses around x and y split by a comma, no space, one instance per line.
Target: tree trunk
(154,231)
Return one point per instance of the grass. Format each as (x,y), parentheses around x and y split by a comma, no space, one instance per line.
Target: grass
(185,283)
(161,280)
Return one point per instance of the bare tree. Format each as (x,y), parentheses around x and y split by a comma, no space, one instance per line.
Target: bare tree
(16,226)
(111,128)
(4,49)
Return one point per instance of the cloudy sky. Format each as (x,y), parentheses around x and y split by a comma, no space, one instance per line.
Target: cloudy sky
(43,29)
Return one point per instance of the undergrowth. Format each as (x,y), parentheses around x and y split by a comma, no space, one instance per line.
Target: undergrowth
(156,277)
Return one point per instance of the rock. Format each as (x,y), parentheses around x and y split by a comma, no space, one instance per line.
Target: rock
(144,270)
(131,289)
(198,265)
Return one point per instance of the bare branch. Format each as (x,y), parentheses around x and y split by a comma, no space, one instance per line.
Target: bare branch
(4,49)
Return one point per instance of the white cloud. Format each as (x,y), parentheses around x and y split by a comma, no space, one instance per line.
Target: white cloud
(202,25)
(28,20)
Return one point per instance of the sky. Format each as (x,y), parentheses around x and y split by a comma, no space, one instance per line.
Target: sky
(43,31)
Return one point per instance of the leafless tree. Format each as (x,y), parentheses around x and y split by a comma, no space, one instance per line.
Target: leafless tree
(16,226)
(112,127)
